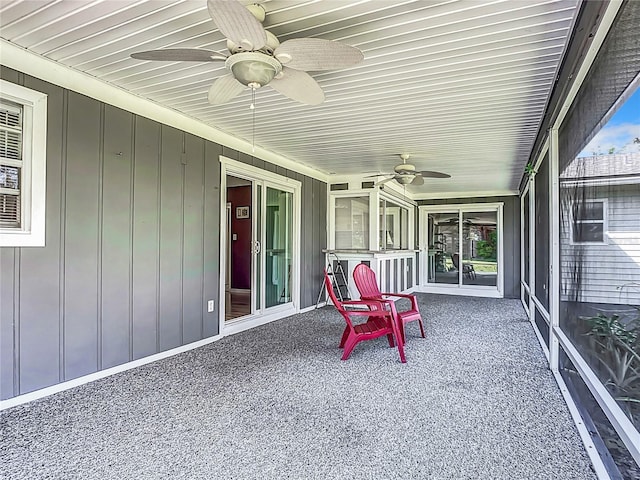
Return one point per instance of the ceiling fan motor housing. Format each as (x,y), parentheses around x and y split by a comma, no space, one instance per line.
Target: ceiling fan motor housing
(405,168)
(268,48)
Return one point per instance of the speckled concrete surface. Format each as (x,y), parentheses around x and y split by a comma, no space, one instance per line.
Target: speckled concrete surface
(474,401)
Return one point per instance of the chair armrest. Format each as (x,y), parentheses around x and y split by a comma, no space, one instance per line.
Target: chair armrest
(414,301)
(372,304)
(379,299)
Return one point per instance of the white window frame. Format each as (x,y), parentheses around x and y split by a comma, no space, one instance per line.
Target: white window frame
(268,314)
(332,214)
(411,209)
(34,162)
(604,221)
(399,205)
(375,196)
(496,291)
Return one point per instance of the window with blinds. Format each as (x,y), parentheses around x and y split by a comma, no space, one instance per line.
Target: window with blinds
(23,166)
(11,125)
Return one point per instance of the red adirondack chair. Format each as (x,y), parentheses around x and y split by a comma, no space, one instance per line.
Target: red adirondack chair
(379,322)
(367,285)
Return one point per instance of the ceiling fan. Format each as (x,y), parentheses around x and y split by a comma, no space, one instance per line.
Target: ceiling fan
(456,220)
(256,57)
(406,174)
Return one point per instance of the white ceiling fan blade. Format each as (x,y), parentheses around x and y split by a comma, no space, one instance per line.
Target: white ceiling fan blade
(315,54)
(237,23)
(180,55)
(427,173)
(382,182)
(418,180)
(378,175)
(298,86)
(224,89)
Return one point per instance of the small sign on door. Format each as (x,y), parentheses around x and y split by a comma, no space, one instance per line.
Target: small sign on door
(242,212)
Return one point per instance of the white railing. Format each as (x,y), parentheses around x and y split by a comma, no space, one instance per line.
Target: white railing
(396,270)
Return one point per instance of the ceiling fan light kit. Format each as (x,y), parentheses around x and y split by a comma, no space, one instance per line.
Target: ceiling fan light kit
(405,178)
(256,56)
(253,69)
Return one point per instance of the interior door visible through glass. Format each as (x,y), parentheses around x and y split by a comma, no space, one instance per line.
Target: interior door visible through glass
(240,244)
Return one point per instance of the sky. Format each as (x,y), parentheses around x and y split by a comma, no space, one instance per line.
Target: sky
(620,131)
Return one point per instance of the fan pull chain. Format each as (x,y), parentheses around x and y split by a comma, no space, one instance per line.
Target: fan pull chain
(253,126)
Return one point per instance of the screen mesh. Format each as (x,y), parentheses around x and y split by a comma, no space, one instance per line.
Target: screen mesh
(616,66)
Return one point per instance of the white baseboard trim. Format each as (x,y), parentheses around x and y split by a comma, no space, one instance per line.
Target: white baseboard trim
(60,387)
(240,325)
(232,327)
(464,292)
(312,307)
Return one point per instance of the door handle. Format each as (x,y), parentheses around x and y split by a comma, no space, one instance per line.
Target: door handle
(256,247)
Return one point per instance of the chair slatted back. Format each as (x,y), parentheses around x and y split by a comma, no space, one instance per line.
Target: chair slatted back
(366,282)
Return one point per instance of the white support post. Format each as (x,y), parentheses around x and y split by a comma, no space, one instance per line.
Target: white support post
(554,290)
(532,250)
(523,289)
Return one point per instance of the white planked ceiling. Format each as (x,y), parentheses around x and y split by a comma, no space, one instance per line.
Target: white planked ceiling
(461,85)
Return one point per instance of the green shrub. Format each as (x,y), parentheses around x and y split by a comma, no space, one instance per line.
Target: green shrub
(615,345)
(487,249)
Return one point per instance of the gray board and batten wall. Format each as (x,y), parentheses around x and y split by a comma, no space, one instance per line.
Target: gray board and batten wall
(132,244)
(511,233)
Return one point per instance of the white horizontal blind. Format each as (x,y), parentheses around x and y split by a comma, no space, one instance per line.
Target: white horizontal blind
(11,123)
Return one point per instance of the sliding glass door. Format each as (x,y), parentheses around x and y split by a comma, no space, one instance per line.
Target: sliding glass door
(461,247)
(278,246)
(262,246)
(479,259)
(272,252)
(444,243)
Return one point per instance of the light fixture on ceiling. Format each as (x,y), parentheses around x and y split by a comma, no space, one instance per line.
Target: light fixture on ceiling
(253,69)
(405,178)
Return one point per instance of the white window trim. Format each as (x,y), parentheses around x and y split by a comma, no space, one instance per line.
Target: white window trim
(604,221)
(375,196)
(332,213)
(472,290)
(395,212)
(33,192)
(410,207)
(268,314)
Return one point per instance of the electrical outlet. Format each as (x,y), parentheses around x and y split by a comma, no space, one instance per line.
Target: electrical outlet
(210,306)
